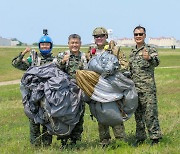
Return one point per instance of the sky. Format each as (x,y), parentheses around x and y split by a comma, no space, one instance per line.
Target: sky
(25,20)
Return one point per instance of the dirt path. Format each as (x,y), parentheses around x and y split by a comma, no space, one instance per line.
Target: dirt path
(10,82)
(170,67)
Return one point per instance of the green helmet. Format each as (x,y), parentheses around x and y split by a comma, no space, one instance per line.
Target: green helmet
(99,31)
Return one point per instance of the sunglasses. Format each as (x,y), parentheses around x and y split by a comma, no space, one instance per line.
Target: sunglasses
(140,34)
(101,36)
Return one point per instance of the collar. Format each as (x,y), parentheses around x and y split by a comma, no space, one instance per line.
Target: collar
(102,47)
(79,54)
(138,49)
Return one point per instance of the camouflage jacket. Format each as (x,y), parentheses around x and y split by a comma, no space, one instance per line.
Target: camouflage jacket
(74,63)
(142,70)
(19,63)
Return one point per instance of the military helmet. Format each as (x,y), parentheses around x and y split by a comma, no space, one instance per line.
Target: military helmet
(45,39)
(99,31)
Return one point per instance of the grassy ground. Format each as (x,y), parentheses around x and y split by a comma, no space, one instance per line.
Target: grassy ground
(14,130)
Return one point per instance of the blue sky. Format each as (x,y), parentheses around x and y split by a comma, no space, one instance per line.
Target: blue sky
(25,20)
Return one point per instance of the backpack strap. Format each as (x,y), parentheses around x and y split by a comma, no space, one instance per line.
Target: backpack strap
(38,61)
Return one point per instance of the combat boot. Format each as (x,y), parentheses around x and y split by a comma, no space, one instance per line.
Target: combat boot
(139,142)
(105,142)
(154,142)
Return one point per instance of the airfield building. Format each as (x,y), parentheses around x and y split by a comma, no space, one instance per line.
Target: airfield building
(8,42)
(165,42)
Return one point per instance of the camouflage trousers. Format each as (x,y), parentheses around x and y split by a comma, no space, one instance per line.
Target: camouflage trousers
(147,115)
(118,131)
(36,136)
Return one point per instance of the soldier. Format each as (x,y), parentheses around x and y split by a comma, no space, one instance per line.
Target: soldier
(70,61)
(100,35)
(35,59)
(143,59)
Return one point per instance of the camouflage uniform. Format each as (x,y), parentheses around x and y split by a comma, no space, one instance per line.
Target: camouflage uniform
(119,130)
(74,63)
(143,77)
(35,132)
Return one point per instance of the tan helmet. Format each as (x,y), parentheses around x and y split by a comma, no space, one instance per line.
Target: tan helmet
(99,31)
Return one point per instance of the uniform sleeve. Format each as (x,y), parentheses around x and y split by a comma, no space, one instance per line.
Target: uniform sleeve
(122,60)
(154,58)
(130,63)
(19,63)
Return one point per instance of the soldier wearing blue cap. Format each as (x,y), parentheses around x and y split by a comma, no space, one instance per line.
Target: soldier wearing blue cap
(37,59)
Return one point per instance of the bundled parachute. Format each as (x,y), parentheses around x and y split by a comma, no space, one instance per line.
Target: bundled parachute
(113,95)
(51,99)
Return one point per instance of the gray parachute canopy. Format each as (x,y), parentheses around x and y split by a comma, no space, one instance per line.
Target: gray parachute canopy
(113,96)
(104,64)
(51,98)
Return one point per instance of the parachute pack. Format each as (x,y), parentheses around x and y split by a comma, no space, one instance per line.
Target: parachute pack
(51,99)
(113,97)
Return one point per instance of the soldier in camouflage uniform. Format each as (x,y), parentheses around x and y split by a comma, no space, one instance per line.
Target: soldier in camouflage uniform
(143,59)
(100,35)
(35,59)
(70,61)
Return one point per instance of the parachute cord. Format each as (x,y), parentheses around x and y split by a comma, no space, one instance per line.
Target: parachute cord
(40,136)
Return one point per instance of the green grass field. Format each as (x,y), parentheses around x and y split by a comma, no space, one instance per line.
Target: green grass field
(14,129)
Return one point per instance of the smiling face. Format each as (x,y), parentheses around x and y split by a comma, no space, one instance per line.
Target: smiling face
(100,40)
(74,45)
(139,36)
(45,46)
